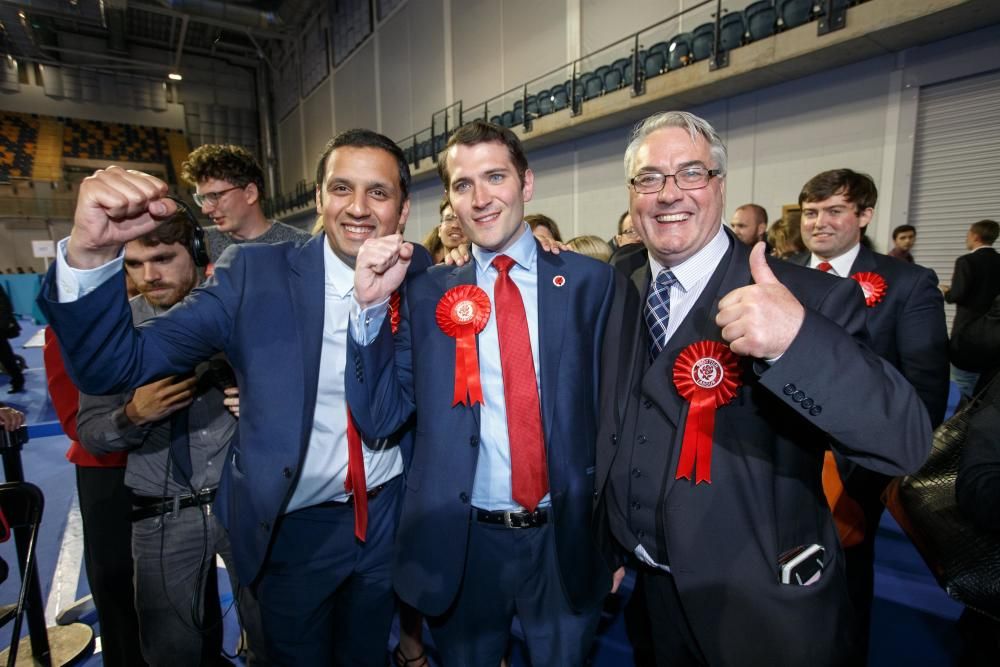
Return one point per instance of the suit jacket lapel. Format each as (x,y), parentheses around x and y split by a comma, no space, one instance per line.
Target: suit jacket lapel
(463,275)
(552,305)
(865,261)
(307,283)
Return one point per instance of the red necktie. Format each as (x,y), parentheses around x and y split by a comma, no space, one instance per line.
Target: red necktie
(355,481)
(824,266)
(529,478)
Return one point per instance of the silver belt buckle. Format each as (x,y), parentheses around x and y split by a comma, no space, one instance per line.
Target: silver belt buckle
(506,520)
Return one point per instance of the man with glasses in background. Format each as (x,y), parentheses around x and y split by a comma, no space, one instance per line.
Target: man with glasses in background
(230,191)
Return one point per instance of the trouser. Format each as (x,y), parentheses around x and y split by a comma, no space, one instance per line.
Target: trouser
(512,572)
(9,361)
(107,551)
(326,598)
(176,589)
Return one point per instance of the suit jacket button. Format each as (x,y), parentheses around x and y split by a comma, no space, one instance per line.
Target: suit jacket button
(808,403)
(789,389)
(636,506)
(640,534)
(265,526)
(474,441)
(641,439)
(287,472)
(464,497)
(798,396)
(636,473)
(647,404)
(815,410)
(614,439)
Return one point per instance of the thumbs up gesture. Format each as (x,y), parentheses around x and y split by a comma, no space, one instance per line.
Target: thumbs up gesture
(760,320)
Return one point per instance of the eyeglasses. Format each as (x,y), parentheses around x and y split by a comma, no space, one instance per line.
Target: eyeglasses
(691,178)
(631,230)
(448,219)
(213,197)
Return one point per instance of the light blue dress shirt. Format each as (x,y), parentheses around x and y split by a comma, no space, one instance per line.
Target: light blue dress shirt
(491,489)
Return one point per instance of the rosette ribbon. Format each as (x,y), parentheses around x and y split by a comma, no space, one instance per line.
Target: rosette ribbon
(706,375)
(873,285)
(462,313)
(394,312)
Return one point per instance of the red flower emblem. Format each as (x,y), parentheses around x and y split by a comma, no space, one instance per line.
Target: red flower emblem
(559,281)
(706,375)
(462,313)
(873,285)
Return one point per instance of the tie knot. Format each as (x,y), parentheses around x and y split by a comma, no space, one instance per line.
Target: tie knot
(824,266)
(665,278)
(502,263)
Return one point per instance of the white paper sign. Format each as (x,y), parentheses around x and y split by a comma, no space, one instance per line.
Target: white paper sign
(43,248)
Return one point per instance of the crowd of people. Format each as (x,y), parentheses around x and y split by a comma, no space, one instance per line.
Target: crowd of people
(497,425)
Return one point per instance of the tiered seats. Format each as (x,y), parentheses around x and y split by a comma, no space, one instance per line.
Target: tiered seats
(97,140)
(18,142)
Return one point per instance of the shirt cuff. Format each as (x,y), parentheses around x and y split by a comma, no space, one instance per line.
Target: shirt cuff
(73,284)
(366,322)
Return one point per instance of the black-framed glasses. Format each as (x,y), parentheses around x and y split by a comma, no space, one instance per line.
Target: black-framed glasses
(631,230)
(213,197)
(690,178)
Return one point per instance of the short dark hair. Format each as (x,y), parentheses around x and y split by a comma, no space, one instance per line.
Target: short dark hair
(445,203)
(538,220)
(902,229)
(857,188)
(480,132)
(176,229)
(362,138)
(986,230)
(621,220)
(759,211)
(225,162)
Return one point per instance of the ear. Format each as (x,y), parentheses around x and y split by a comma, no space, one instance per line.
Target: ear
(252,193)
(529,185)
(865,217)
(404,215)
(319,201)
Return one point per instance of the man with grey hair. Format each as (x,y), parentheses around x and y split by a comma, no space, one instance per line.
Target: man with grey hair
(733,374)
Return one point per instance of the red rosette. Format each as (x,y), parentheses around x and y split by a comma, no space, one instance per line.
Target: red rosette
(394,311)
(706,375)
(462,313)
(873,285)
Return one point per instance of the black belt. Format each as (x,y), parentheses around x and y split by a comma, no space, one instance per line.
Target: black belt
(539,517)
(372,492)
(144,507)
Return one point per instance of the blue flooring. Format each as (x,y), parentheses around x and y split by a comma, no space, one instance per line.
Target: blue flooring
(913,621)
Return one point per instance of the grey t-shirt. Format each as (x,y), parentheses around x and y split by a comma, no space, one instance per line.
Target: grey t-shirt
(278,233)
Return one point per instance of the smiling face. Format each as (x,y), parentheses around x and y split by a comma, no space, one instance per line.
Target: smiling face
(486,193)
(833,226)
(163,273)
(450,229)
(360,198)
(674,224)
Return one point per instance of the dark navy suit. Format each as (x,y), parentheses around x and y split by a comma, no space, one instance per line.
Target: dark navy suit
(390,381)
(263,307)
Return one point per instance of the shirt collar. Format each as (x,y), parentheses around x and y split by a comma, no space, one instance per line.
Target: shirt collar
(842,265)
(339,277)
(698,265)
(523,251)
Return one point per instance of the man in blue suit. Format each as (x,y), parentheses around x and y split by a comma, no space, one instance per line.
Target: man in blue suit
(319,562)
(496,518)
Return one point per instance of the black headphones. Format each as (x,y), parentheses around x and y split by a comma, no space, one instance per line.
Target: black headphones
(198,247)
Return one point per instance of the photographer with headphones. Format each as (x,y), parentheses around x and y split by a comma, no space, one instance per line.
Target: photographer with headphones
(177,432)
